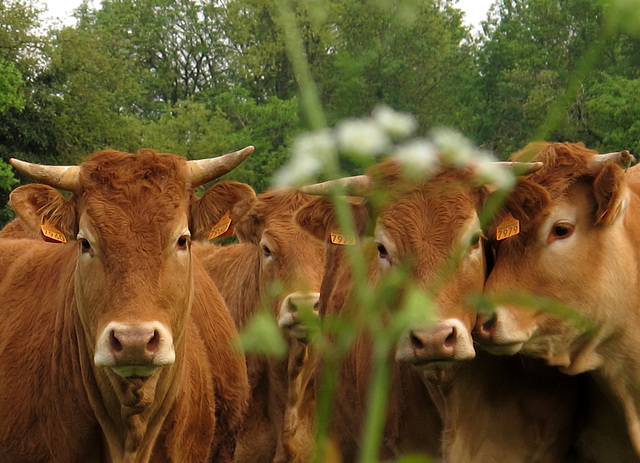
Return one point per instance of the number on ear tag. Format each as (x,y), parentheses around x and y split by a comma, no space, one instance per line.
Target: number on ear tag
(510,226)
(220,229)
(51,232)
(344,240)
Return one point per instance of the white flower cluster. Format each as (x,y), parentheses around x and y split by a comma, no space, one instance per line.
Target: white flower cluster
(387,132)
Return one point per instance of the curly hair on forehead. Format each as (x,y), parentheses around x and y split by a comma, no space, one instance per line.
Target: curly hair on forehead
(146,187)
(563,164)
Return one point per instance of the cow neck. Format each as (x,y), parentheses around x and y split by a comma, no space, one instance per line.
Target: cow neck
(621,377)
(129,415)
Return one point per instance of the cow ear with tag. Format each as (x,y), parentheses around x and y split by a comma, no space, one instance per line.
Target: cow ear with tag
(220,208)
(611,194)
(45,212)
(318,219)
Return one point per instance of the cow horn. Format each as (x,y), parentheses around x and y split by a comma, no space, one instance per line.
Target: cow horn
(358,185)
(599,161)
(61,177)
(202,171)
(522,168)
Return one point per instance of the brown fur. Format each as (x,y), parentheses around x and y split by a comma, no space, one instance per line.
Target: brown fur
(278,426)
(189,410)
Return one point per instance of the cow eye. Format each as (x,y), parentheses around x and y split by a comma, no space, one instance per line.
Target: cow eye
(561,230)
(382,251)
(183,243)
(475,240)
(85,246)
(266,251)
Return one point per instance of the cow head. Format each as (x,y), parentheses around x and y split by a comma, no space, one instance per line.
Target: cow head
(131,218)
(420,225)
(572,248)
(291,261)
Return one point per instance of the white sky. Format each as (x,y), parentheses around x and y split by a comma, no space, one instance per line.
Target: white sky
(476,10)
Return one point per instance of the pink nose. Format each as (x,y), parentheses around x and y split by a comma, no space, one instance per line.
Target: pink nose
(133,344)
(296,301)
(438,344)
(448,341)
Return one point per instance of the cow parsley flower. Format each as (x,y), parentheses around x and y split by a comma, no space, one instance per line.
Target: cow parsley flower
(311,152)
(419,157)
(495,174)
(455,149)
(398,125)
(362,137)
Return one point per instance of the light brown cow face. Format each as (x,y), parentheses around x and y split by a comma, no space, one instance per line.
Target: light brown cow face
(567,258)
(574,248)
(291,261)
(439,237)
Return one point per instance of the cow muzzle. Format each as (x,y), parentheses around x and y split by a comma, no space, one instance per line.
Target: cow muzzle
(134,350)
(292,313)
(503,332)
(437,347)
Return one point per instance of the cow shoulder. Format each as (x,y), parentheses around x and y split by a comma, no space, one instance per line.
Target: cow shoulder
(40,205)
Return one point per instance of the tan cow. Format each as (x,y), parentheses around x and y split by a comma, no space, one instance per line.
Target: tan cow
(278,265)
(443,402)
(117,346)
(578,244)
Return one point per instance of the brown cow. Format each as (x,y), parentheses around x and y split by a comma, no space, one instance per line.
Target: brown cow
(578,244)
(481,410)
(117,345)
(278,265)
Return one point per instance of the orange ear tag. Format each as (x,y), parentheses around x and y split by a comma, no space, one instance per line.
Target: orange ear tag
(51,232)
(221,228)
(344,240)
(510,226)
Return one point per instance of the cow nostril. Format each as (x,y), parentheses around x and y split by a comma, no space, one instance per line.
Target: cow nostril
(291,305)
(416,343)
(116,346)
(154,342)
(487,326)
(316,306)
(451,339)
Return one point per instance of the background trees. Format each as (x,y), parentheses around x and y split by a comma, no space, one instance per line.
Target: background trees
(201,78)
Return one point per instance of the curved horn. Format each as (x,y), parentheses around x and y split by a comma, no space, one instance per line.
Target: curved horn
(202,171)
(358,185)
(623,158)
(522,168)
(62,177)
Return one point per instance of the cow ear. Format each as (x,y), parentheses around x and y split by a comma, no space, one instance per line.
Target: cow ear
(612,196)
(250,228)
(527,200)
(45,212)
(318,218)
(220,209)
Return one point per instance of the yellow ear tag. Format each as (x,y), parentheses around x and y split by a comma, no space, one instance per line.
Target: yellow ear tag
(220,229)
(51,232)
(510,226)
(344,240)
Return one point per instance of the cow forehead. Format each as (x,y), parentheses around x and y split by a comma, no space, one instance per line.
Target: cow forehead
(426,218)
(146,195)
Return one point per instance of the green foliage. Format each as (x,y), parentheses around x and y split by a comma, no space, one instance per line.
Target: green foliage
(10,87)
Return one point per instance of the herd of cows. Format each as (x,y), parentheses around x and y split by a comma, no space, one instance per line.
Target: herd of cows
(119,317)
